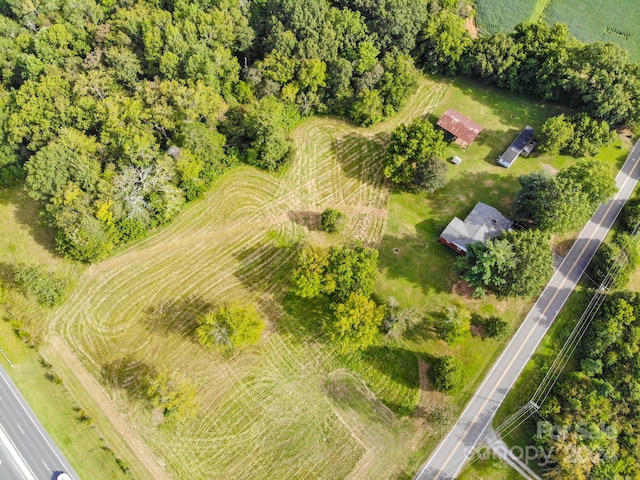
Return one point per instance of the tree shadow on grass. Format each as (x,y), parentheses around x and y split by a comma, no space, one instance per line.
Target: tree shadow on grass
(28,213)
(312,221)
(424,330)
(463,192)
(129,374)
(361,157)
(397,363)
(304,317)
(179,315)
(264,271)
(7,273)
(498,141)
(513,107)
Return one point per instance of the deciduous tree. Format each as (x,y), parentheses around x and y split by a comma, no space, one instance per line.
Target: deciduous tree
(410,161)
(446,374)
(231,325)
(175,398)
(356,323)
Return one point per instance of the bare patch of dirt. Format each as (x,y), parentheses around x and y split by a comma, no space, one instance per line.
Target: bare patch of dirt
(549,168)
(561,246)
(463,289)
(470,24)
(626,135)
(429,401)
(477,331)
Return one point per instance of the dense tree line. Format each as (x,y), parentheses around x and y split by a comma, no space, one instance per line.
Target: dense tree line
(564,202)
(112,110)
(591,425)
(547,62)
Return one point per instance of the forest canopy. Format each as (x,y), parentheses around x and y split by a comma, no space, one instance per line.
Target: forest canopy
(115,113)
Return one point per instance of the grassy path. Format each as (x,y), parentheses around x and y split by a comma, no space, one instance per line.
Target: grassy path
(539,10)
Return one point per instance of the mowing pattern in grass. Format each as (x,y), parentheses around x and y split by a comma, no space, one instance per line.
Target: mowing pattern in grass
(265,412)
(503,15)
(603,20)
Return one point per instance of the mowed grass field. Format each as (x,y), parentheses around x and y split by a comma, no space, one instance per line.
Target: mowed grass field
(613,21)
(291,407)
(278,410)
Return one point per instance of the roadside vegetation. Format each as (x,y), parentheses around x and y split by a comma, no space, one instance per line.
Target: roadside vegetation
(574,404)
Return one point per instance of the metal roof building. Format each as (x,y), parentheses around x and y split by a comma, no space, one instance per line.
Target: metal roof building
(462,128)
(483,223)
(523,144)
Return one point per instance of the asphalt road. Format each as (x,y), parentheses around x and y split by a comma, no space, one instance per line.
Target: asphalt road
(452,453)
(27,452)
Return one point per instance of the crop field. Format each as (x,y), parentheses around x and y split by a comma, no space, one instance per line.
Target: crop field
(285,408)
(614,21)
(502,15)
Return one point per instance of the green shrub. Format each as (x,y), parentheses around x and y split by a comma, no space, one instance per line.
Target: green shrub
(48,288)
(232,325)
(446,374)
(495,327)
(331,219)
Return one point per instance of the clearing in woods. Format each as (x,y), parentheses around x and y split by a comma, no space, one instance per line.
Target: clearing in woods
(286,408)
(613,21)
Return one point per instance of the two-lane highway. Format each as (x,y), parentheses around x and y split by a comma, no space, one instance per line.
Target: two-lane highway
(27,452)
(450,456)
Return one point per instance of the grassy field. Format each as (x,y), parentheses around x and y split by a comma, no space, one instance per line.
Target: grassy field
(266,412)
(613,21)
(493,469)
(24,239)
(290,407)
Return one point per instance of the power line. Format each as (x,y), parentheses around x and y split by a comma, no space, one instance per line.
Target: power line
(568,348)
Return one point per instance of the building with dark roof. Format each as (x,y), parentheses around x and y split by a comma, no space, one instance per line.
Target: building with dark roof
(483,223)
(463,129)
(522,145)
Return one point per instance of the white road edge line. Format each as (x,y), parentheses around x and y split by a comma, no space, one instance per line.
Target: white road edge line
(15,454)
(35,422)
